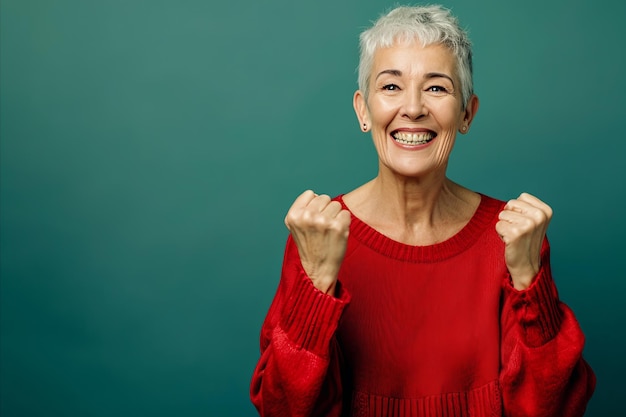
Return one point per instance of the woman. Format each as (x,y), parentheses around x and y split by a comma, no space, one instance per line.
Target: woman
(412,295)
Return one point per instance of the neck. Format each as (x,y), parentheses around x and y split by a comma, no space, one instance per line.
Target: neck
(413,201)
(414,210)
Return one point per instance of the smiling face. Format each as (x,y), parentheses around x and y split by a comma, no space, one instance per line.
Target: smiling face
(414,108)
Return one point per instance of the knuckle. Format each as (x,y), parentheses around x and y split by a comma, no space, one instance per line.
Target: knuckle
(345,218)
(307,216)
(334,204)
(339,226)
(289,218)
(300,218)
(319,221)
(323,197)
(540,217)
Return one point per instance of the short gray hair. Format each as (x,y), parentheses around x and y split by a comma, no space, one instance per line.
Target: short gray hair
(428,24)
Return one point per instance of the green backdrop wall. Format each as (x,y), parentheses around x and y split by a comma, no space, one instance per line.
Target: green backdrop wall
(150,149)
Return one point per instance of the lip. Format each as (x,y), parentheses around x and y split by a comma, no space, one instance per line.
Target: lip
(412,147)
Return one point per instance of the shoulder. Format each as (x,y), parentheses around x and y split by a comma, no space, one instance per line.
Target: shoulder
(487,212)
(488,202)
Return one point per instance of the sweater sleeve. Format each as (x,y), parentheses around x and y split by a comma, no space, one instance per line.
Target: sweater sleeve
(298,373)
(542,370)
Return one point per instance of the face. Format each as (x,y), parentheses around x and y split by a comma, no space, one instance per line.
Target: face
(414,108)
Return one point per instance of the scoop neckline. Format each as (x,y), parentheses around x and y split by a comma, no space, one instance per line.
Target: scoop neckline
(480,221)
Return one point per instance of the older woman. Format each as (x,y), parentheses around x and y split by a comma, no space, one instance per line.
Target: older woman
(412,295)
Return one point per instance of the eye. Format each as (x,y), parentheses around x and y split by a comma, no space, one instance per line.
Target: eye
(437,89)
(390,87)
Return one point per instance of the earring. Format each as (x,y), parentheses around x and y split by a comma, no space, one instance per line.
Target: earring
(463,128)
(364,127)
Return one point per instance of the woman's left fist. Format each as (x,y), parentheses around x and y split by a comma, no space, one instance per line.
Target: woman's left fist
(522,226)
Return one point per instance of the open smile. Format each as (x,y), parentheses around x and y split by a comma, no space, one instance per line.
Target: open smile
(413,138)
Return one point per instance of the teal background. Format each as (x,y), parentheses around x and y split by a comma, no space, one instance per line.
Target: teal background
(150,149)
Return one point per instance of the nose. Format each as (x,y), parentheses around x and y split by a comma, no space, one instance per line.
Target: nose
(414,107)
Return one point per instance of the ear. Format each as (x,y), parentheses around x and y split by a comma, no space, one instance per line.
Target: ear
(360,108)
(470,112)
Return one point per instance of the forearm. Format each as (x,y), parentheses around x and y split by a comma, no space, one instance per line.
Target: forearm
(543,372)
(298,373)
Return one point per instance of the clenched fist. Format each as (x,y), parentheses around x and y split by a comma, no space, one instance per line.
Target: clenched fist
(522,226)
(320,229)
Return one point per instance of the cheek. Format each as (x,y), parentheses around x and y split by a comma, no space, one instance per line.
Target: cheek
(446,144)
(382,113)
(449,116)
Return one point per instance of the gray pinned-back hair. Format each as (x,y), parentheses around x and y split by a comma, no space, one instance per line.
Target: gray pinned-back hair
(427,24)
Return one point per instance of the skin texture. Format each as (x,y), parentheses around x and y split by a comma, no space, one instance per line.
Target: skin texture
(319,227)
(413,90)
(522,226)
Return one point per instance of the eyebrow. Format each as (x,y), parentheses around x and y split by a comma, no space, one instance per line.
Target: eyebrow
(393,72)
(398,73)
(438,75)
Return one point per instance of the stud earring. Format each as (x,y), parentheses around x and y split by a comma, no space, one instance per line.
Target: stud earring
(463,128)
(364,127)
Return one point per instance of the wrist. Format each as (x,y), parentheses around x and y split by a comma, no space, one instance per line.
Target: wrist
(326,285)
(522,280)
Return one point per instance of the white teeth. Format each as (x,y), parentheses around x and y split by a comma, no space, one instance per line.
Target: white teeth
(413,138)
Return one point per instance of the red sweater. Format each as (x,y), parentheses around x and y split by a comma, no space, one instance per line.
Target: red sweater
(421,331)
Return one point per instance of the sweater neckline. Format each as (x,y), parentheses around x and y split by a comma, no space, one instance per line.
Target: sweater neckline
(480,221)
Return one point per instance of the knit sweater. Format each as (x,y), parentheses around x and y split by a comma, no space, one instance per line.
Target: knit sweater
(421,331)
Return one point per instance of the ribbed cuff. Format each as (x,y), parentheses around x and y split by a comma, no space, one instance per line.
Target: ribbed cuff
(310,317)
(537,308)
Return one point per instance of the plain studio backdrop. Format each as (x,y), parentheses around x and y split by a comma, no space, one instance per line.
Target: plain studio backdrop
(150,150)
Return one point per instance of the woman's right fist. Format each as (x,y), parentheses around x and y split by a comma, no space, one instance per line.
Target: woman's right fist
(320,229)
